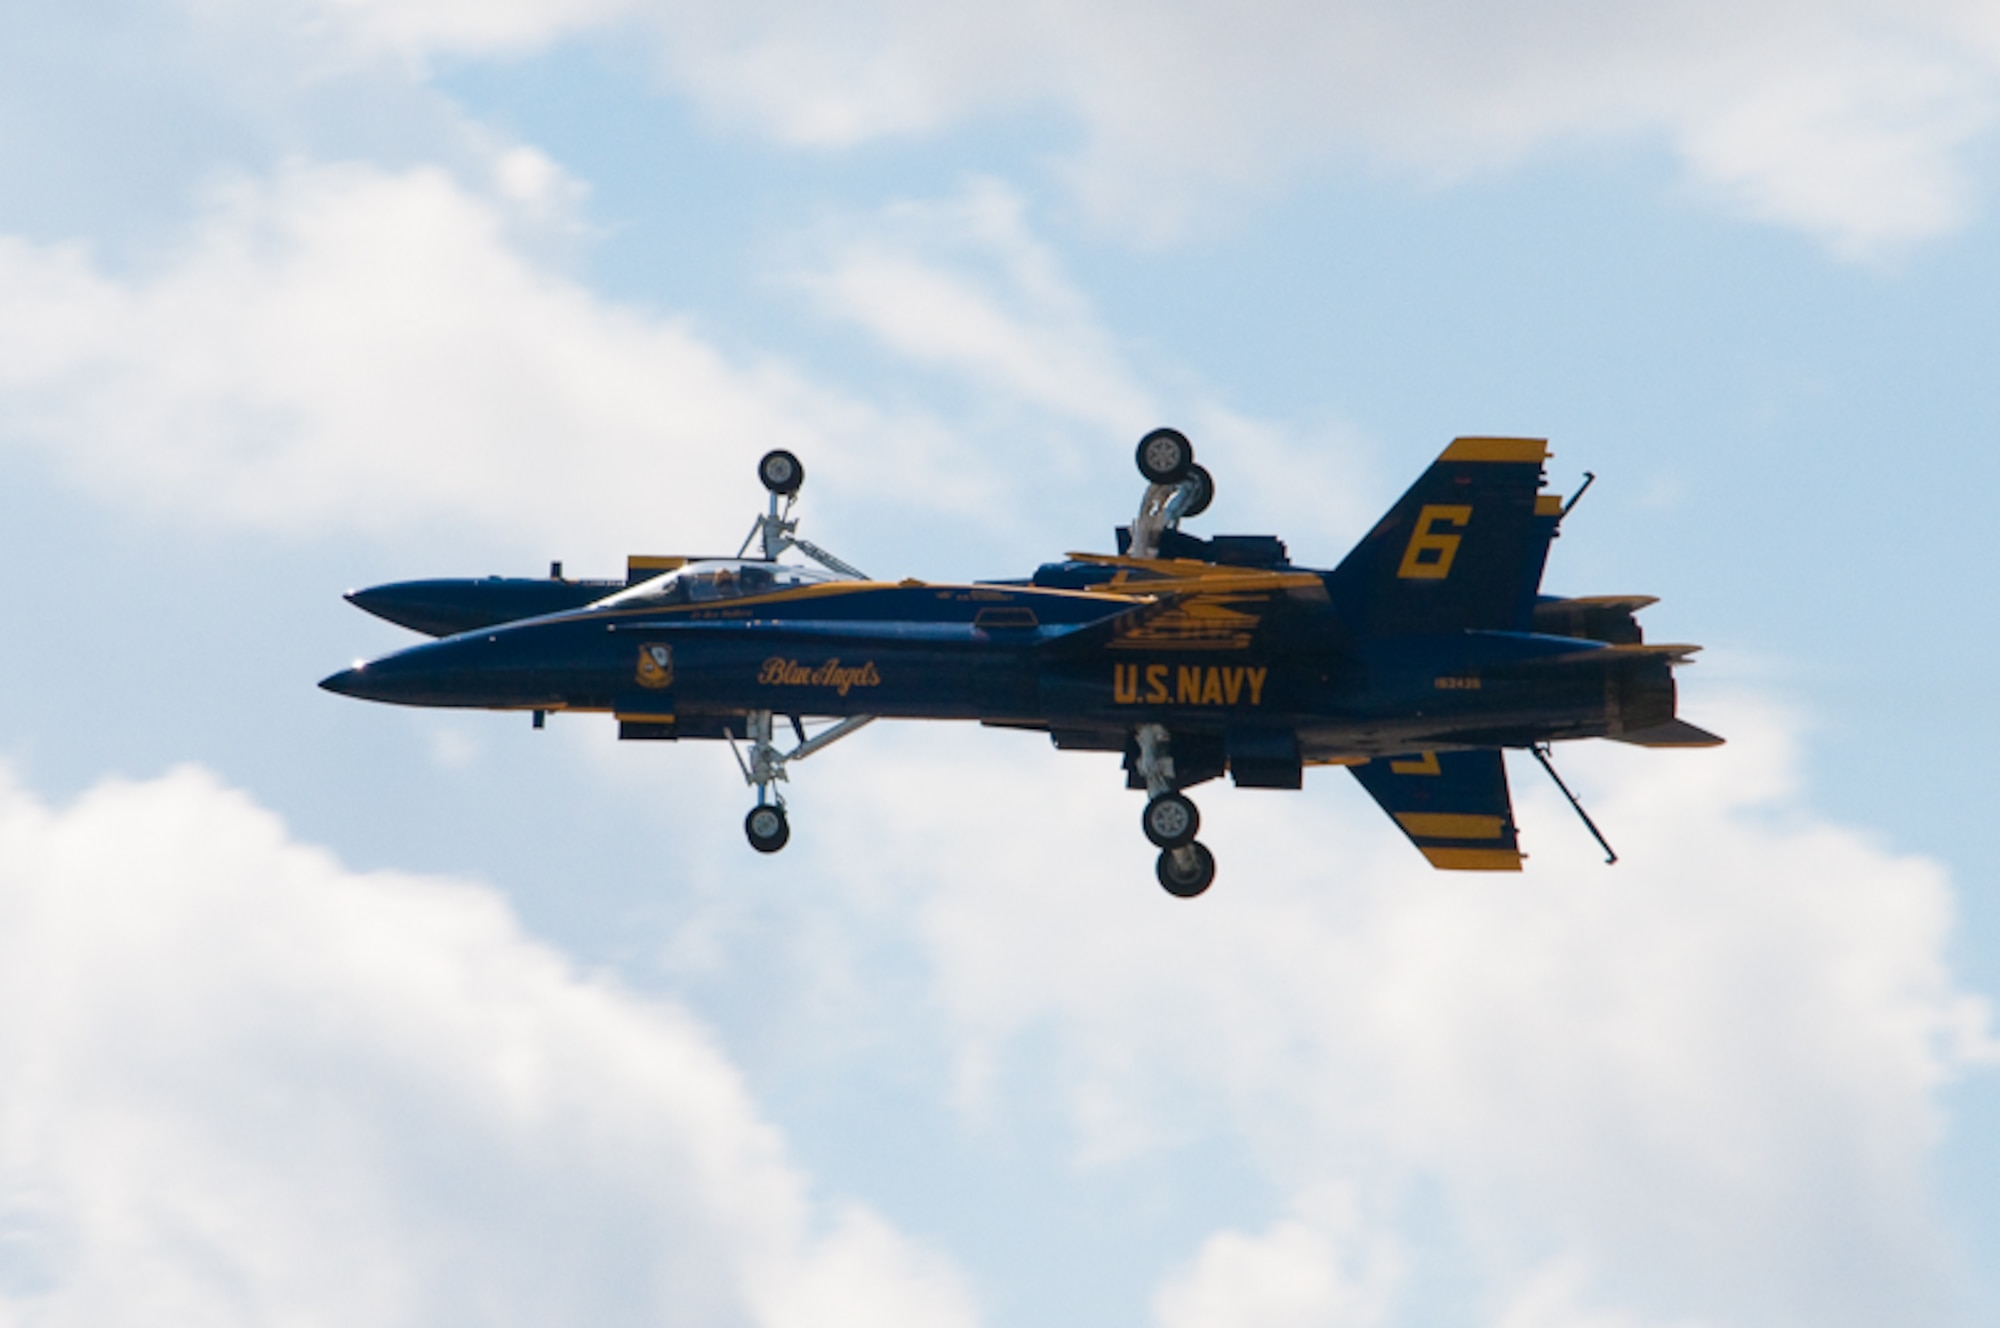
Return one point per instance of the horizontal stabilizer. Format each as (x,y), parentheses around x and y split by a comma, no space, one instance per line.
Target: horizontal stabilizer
(1631,603)
(1608,618)
(1452,805)
(1673,733)
(1671,652)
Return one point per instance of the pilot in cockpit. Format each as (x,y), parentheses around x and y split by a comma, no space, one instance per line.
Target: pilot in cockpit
(708,584)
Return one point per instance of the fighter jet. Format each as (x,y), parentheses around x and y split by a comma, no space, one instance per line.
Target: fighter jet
(1415,662)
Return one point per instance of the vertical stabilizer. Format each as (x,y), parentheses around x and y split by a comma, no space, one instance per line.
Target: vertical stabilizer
(1462,549)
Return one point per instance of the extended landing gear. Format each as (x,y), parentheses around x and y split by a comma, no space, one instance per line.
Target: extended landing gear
(1170,820)
(767,826)
(781,472)
(1165,456)
(1186,871)
(763,764)
(1175,488)
(783,475)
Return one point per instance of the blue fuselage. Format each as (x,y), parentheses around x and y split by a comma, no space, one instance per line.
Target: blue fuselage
(1030,657)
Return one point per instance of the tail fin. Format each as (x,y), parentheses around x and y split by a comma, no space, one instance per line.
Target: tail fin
(1462,549)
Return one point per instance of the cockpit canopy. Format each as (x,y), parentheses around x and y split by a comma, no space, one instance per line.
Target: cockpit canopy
(713,581)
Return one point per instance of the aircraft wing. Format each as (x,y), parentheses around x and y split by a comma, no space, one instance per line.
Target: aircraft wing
(1182,604)
(1453,806)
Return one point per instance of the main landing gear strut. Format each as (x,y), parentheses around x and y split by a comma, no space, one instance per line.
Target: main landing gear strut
(1175,487)
(1186,867)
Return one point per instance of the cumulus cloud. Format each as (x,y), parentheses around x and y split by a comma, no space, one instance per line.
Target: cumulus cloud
(1850,122)
(345,346)
(963,284)
(1316,1268)
(1704,1082)
(245,1085)
(965,287)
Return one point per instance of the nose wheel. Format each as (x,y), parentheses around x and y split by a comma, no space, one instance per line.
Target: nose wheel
(767,828)
(763,764)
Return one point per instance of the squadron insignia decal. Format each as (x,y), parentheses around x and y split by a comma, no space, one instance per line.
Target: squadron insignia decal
(656,665)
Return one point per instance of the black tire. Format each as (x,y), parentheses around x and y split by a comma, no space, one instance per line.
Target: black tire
(1204,493)
(781,472)
(1164,456)
(767,828)
(1187,884)
(1170,820)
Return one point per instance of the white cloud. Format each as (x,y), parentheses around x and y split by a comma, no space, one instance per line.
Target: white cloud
(347,347)
(343,348)
(1550,1298)
(962,284)
(1849,122)
(487,27)
(244,1085)
(1313,1269)
(1709,1075)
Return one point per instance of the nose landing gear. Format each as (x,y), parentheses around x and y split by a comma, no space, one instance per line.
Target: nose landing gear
(767,826)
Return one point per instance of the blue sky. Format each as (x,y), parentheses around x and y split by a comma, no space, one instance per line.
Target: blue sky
(316,1011)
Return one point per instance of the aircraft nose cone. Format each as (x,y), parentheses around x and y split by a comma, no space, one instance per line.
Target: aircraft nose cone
(406,604)
(454,672)
(348,682)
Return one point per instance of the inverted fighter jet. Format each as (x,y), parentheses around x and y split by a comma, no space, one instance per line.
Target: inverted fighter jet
(1415,662)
